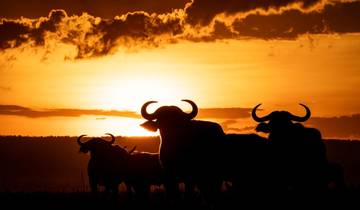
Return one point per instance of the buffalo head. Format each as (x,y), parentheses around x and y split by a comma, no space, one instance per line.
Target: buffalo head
(94,143)
(100,145)
(278,120)
(166,116)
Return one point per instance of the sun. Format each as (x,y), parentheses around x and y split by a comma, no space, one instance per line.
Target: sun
(143,89)
(131,92)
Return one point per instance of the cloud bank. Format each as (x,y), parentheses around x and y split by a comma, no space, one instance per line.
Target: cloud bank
(5,88)
(231,119)
(198,20)
(98,8)
(341,127)
(16,110)
(213,113)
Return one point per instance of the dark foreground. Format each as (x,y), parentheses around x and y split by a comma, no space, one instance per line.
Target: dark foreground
(349,199)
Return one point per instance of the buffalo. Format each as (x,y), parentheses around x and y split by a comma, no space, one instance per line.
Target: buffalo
(246,162)
(188,150)
(199,152)
(104,166)
(143,170)
(299,153)
(110,165)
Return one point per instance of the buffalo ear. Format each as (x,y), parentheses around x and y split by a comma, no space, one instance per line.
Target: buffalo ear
(263,127)
(150,126)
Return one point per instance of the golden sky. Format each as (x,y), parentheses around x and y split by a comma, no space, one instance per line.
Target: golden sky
(234,56)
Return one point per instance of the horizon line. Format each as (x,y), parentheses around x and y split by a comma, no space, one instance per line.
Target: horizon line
(70,136)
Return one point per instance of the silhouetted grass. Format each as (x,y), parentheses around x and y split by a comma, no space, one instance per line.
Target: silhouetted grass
(289,200)
(49,173)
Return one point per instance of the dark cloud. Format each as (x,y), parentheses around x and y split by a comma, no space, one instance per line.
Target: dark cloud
(17,32)
(27,112)
(138,29)
(291,23)
(99,8)
(337,18)
(90,35)
(200,20)
(202,12)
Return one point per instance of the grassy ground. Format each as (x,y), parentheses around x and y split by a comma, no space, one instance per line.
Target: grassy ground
(63,201)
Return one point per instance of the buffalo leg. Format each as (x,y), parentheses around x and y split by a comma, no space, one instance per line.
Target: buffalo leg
(141,193)
(172,189)
(210,190)
(93,185)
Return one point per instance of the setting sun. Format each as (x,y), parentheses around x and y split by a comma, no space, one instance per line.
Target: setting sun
(130,92)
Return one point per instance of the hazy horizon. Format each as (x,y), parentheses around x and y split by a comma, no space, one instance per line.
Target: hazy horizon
(95,122)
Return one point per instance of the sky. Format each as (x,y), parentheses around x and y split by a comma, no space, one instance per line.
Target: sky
(75,67)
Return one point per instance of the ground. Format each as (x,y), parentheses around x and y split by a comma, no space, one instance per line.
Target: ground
(55,201)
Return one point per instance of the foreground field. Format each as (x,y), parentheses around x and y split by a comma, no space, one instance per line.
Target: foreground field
(54,164)
(63,201)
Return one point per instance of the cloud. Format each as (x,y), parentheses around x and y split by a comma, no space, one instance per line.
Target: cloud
(138,29)
(5,88)
(345,127)
(92,36)
(339,127)
(99,8)
(28,112)
(199,20)
(338,18)
(202,12)
(213,113)
(224,113)
(270,19)
(229,127)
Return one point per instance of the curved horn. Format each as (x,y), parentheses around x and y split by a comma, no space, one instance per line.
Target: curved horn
(132,150)
(259,119)
(79,141)
(194,111)
(302,119)
(112,138)
(144,113)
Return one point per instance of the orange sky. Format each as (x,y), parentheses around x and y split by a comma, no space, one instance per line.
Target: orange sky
(318,69)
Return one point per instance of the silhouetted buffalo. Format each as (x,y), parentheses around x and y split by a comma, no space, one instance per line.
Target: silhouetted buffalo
(246,162)
(143,170)
(109,165)
(105,167)
(299,153)
(189,148)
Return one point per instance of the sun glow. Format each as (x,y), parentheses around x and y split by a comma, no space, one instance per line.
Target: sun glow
(117,126)
(131,92)
(143,89)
